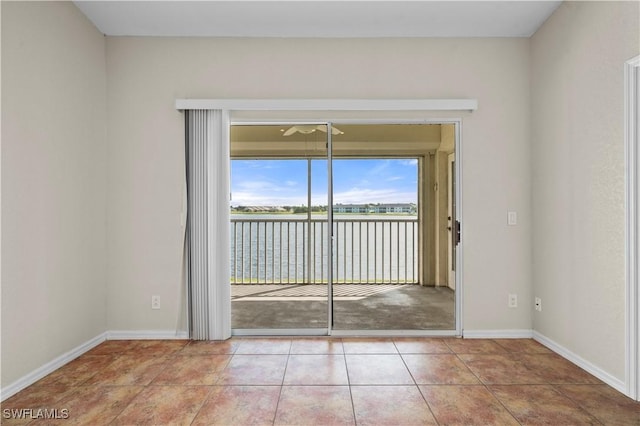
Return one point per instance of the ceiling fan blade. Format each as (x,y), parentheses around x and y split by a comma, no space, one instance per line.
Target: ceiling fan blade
(334,130)
(306,129)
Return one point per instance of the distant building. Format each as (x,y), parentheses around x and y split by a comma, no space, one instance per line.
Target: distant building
(261,209)
(375,208)
(350,208)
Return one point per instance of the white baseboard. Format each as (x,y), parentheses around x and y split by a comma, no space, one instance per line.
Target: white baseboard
(498,334)
(612,381)
(65,358)
(146,334)
(50,367)
(74,353)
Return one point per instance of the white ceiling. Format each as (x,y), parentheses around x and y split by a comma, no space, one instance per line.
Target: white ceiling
(299,18)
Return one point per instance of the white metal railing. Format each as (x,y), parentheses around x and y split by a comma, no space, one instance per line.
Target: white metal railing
(294,251)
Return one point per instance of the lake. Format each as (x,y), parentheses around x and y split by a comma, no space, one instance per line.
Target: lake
(290,248)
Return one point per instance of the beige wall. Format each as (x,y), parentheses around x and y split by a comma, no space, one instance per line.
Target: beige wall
(53,184)
(578,176)
(146,75)
(553,102)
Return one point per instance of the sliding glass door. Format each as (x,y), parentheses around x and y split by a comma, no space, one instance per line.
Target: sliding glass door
(280,253)
(341,228)
(376,244)
(389,197)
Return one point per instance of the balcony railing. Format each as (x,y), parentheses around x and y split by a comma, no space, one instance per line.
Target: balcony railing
(295,251)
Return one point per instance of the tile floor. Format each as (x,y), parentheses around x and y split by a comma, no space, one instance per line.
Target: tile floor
(326,381)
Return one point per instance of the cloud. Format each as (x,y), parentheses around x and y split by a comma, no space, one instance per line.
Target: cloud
(266,185)
(259,185)
(352,196)
(379,168)
(267,193)
(367,196)
(241,198)
(360,182)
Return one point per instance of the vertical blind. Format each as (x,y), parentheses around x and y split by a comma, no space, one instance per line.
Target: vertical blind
(207,251)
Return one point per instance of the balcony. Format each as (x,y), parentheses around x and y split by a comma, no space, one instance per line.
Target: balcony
(378,250)
(279,274)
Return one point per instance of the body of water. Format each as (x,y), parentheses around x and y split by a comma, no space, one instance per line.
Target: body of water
(290,248)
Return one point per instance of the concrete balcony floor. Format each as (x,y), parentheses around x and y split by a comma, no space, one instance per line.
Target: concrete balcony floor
(356,307)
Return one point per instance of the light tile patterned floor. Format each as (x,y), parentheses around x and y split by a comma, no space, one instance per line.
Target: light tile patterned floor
(323,381)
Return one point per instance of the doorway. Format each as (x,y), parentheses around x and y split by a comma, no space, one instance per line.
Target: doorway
(338,257)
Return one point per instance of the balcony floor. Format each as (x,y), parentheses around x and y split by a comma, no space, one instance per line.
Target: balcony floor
(356,307)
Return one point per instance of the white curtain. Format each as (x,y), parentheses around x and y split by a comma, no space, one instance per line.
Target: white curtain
(207,248)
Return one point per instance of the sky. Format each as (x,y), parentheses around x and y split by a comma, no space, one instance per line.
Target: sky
(355,181)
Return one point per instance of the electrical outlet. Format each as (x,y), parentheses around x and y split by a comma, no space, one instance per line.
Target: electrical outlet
(155,302)
(512,218)
(513,300)
(538,304)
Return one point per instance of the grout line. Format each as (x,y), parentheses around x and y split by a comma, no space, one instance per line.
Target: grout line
(275,412)
(353,406)
(284,374)
(415,383)
(128,404)
(404,362)
(204,401)
(557,388)
(501,403)
(428,405)
(486,386)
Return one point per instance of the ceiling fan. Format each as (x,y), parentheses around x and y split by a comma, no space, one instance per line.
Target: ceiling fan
(306,129)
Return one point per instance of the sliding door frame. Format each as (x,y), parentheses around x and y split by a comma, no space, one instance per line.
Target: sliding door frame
(329,228)
(322,109)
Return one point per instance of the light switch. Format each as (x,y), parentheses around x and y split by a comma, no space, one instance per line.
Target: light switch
(512,218)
